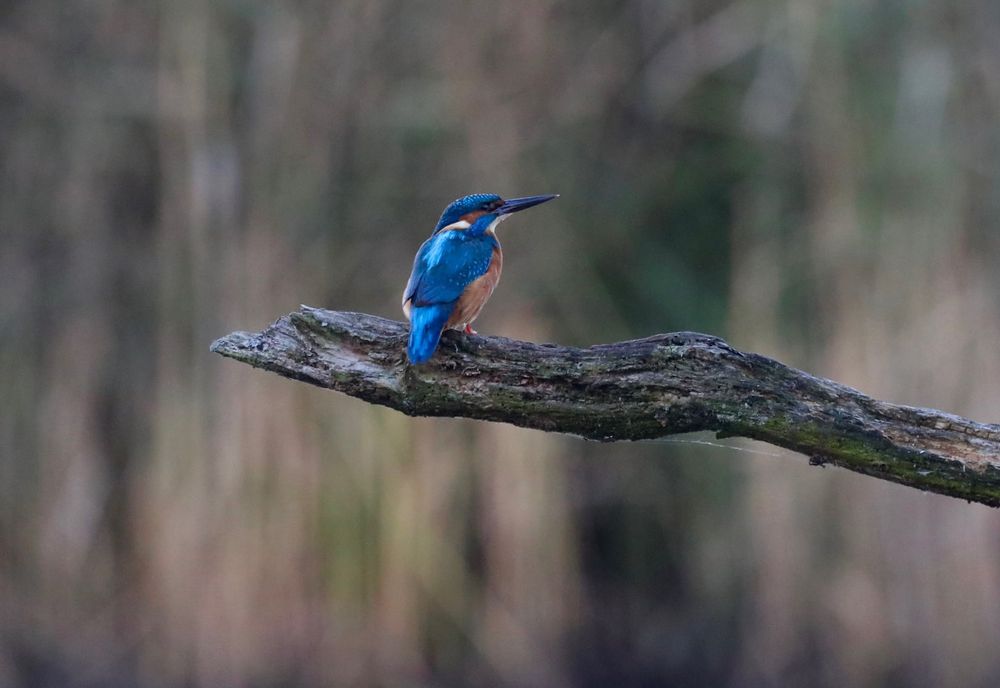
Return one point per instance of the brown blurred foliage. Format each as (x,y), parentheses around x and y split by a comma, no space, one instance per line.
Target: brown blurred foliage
(816,180)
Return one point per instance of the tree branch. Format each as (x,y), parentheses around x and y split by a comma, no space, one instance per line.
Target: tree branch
(642,389)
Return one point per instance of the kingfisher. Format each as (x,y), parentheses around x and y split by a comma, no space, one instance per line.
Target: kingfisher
(457,269)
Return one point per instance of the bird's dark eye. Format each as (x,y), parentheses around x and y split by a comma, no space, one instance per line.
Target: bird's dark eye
(490,206)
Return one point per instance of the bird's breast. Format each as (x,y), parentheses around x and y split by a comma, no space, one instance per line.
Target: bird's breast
(477,293)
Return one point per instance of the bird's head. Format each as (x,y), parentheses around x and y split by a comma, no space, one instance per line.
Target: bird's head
(484,211)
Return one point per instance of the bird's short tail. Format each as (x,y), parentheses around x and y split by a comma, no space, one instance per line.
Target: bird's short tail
(426,325)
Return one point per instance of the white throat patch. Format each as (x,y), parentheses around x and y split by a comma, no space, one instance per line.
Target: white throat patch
(493,225)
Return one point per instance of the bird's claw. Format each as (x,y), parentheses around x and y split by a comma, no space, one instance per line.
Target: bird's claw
(468,329)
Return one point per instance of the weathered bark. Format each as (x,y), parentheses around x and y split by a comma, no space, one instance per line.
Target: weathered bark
(647,388)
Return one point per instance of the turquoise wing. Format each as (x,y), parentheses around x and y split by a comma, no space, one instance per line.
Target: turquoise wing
(445,265)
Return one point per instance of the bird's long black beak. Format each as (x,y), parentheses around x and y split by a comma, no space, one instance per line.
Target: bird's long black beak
(514,204)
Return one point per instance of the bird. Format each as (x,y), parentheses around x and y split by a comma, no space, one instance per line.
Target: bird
(456,270)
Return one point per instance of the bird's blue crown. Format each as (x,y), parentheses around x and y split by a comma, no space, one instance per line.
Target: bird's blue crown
(468,204)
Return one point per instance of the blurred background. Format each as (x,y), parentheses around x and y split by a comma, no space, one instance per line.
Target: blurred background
(818,181)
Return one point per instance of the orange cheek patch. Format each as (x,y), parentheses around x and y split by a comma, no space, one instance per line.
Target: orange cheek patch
(473,216)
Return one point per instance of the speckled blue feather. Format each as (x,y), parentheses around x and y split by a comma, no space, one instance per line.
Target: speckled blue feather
(461,206)
(446,264)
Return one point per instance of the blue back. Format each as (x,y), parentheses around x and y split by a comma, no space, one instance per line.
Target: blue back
(446,264)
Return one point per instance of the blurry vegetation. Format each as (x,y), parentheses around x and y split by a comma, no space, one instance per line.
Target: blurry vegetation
(814,180)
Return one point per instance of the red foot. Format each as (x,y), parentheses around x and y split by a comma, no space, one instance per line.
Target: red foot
(468,329)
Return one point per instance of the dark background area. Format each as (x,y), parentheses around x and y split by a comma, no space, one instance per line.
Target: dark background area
(817,181)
